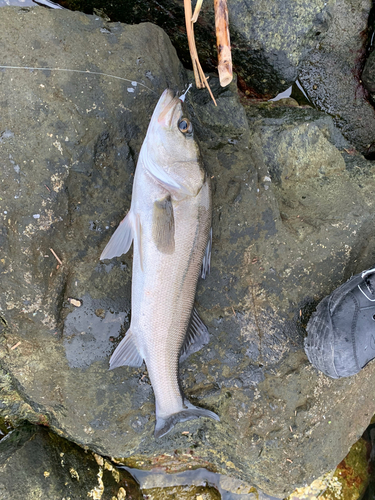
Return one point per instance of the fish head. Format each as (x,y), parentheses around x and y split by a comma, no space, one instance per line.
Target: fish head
(170,152)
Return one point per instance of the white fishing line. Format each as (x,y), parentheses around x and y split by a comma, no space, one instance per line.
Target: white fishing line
(87,72)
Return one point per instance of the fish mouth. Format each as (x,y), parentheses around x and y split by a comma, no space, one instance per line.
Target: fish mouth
(166,109)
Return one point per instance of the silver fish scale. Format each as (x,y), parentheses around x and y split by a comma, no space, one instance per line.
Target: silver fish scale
(163,294)
(169,222)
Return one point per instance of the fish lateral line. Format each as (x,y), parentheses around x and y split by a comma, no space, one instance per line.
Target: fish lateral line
(85,72)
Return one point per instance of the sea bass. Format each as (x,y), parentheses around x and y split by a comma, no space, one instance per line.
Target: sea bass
(169,222)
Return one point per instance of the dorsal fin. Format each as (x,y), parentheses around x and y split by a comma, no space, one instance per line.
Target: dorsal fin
(206,264)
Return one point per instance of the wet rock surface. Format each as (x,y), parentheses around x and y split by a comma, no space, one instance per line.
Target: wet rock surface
(332,74)
(229,488)
(270,38)
(293,218)
(324,44)
(36,463)
(182,492)
(348,482)
(368,74)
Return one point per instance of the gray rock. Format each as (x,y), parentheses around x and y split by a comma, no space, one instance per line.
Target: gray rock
(332,73)
(293,218)
(37,464)
(270,38)
(368,75)
(182,493)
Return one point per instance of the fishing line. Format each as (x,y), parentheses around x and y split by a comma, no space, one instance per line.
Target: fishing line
(87,72)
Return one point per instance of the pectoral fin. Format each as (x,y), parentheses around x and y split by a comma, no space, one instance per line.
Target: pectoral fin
(163,225)
(196,337)
(126,353)
(121,239)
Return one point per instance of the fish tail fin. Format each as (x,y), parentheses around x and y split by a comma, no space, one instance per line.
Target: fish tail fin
(126,353)
(164,425)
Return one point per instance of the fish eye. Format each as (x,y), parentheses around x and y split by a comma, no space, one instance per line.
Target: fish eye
(185,126)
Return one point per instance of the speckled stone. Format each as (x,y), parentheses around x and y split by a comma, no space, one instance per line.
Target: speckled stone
(292,219)
(37,464)
(332,74)
(270,38)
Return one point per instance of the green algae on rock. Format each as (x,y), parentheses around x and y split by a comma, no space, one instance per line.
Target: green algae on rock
(36,463)
(348,482)
(182,493)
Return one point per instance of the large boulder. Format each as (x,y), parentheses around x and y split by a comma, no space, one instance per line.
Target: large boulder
(270,38)
(368,75)
(332,74)
(37,464)
(292,219)
(349,481)
(274,42)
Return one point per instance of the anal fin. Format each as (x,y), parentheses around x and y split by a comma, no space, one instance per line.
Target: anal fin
(196,337)
(126,353)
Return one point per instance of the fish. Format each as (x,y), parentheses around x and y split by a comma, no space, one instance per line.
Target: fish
(169,224)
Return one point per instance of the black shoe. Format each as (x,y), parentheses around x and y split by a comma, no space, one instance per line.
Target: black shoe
(341,333)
